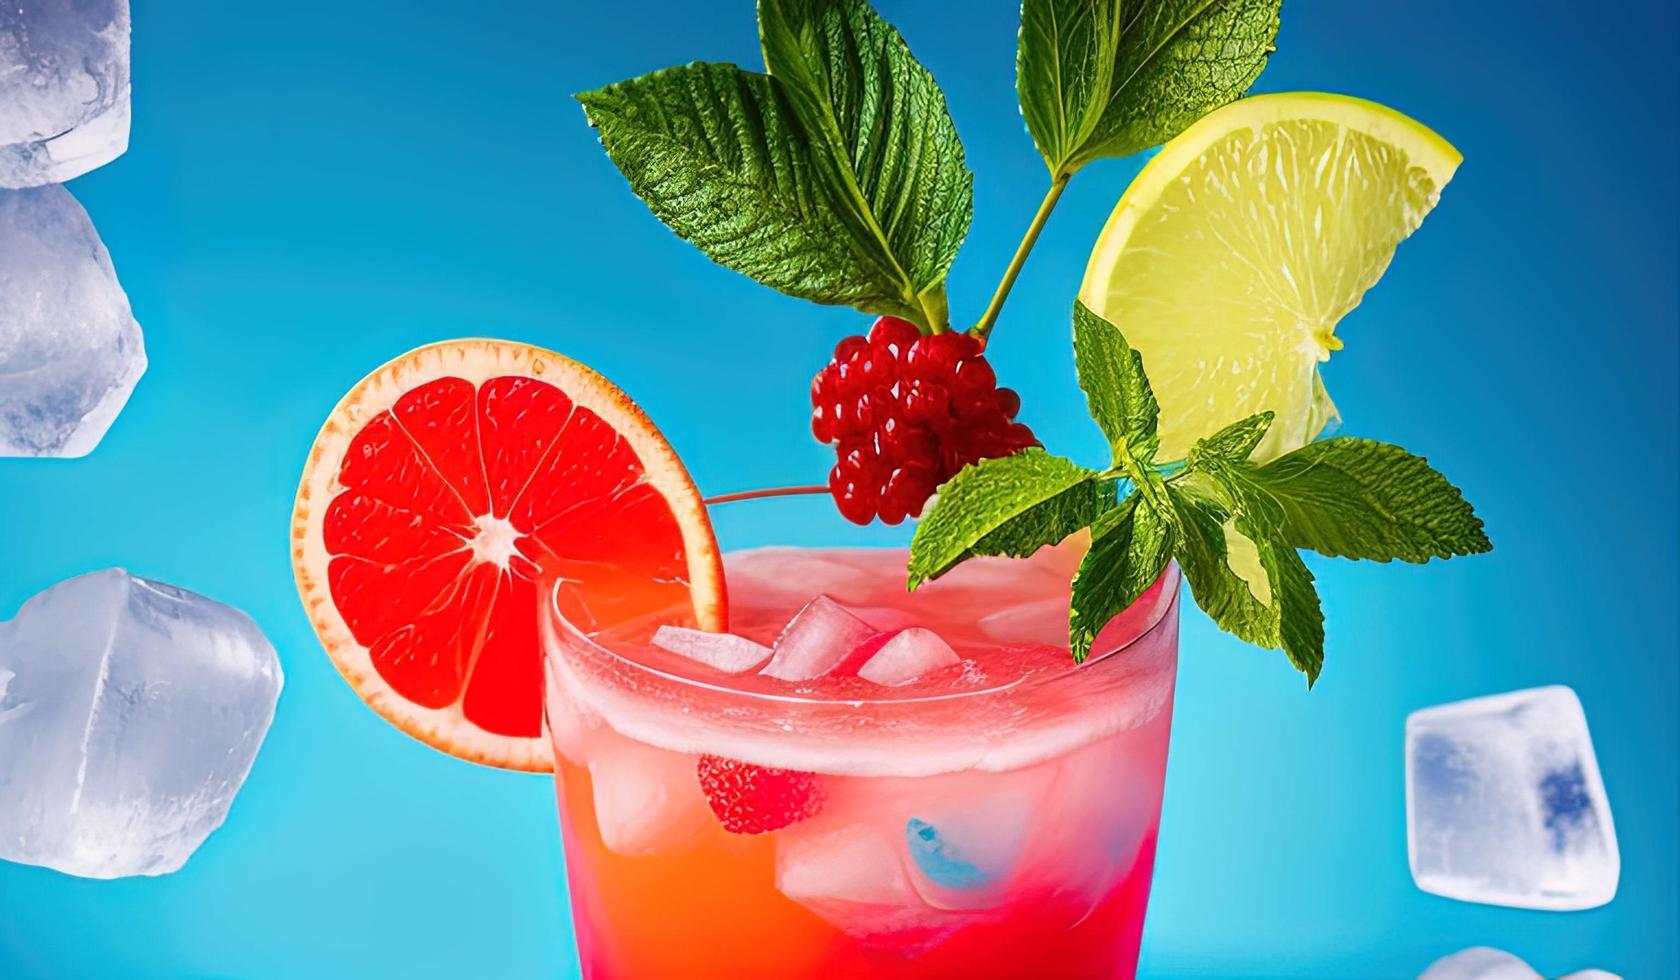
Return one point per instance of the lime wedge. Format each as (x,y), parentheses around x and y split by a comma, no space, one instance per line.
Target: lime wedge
(1231,258)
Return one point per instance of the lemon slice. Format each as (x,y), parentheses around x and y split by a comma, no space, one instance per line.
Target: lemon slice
(1231,258)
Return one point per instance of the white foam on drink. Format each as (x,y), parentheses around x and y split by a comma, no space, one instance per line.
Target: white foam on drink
(1044,621)
(1009,723)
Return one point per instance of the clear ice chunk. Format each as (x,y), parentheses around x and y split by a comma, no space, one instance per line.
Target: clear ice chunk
(647,800)
(1487,963)
(64,88)
(1096,815)
(966,842)
(816,639)
(906,656)
(851,863)
(1505,804)
(129,717)
(852,874)
(1479,963)
(720,651)
(70,351)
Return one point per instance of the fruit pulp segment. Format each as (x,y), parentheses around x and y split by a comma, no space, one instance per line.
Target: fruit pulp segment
(454,503)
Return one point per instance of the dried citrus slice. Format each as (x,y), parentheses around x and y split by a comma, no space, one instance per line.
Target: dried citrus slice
(442,489)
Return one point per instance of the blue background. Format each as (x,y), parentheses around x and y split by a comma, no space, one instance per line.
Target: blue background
(315,187)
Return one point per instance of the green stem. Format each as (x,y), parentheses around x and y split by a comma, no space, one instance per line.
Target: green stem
(983,329)
(934,309)
(1166,472)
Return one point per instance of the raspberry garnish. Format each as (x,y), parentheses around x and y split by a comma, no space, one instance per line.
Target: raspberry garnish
(905,412)
(751,799)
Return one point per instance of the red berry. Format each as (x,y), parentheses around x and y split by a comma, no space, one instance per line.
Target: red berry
(905,490)
(891,333)
(848,348)
(851,483)
(974,376)
(1009,401)
(749,799)
(926,402)
(905,413)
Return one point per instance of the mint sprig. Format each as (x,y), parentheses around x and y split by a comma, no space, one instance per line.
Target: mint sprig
(1234,526)
(838,177)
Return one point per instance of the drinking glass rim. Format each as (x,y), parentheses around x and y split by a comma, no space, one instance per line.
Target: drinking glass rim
(1166,601)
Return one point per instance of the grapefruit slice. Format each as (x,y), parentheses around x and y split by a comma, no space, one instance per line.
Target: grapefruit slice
(440,492)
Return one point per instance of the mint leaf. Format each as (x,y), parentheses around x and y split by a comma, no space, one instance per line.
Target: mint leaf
(1243,572)
(1233,443)
(1300,619)
(1145,70)
(1130,545)
(1111,373)
(1011,505)
(1224,595)
(1357,498)
(1064,72)
(885,138)
(1102,78)
(717,155)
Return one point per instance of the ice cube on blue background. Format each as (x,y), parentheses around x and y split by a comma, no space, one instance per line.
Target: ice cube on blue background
(1505,804)
(70,351)
(1487,963)
(1479,963)
(130,714)
(64,88)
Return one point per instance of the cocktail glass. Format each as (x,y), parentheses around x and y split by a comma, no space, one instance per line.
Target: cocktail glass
(1000,821)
